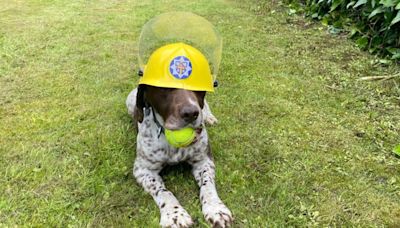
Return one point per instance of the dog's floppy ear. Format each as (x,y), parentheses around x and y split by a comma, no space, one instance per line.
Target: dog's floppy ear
(200,97)
(140,103)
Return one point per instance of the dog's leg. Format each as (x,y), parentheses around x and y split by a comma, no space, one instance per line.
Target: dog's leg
(213,208)
(172,213)
(209,118)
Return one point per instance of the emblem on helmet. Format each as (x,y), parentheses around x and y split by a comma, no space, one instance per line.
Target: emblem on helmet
(180,67)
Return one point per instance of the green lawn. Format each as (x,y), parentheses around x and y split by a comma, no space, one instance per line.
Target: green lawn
(301,142)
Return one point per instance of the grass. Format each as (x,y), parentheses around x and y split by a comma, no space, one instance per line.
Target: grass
(300,141)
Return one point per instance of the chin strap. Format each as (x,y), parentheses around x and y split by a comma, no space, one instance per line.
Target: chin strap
(147,111)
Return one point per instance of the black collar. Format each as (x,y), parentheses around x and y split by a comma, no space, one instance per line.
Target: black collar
(147,111)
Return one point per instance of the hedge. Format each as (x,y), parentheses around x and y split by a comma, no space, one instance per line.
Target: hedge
(373,24)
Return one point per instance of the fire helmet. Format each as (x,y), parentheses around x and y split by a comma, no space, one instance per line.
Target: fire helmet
(178,65)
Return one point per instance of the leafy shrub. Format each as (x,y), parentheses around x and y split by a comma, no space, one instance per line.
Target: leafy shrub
(373,24)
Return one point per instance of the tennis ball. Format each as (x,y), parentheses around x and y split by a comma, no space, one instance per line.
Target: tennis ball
(180,138)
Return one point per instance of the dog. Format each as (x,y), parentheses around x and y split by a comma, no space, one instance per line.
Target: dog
(154,109)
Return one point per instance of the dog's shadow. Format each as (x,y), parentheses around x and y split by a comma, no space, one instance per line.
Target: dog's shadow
(179,171)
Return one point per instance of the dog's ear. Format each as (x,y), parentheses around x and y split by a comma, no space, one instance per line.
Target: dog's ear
(140,103)
(200,97)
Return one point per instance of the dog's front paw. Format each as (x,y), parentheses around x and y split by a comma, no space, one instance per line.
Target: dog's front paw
(217,214)
(175,217)
(211,119)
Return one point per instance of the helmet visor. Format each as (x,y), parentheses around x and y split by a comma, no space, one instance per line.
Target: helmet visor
(182,27)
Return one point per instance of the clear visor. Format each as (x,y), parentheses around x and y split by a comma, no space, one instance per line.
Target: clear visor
(182,27)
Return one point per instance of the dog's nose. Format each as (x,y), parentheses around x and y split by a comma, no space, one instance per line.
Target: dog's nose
(189,113)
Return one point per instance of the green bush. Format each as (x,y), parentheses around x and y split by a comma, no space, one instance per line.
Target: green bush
(373,24)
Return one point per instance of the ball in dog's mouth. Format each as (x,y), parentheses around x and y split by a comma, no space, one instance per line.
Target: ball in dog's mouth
(182,137)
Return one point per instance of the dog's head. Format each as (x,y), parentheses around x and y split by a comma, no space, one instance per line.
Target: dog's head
(175,108)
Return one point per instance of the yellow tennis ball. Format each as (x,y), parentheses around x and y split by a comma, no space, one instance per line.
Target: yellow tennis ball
(180,138)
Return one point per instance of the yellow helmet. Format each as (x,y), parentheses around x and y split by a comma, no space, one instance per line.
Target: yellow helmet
(178,65)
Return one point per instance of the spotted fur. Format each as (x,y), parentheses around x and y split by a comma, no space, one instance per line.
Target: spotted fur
(154,153)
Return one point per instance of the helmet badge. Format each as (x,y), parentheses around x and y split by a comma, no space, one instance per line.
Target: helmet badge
(180,67)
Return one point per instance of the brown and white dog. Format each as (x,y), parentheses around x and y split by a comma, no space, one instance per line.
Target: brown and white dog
(155,108)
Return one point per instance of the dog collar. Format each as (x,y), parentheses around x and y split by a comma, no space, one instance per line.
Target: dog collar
(160,128)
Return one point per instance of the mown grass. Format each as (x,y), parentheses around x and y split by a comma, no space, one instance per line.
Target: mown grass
(300,141)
